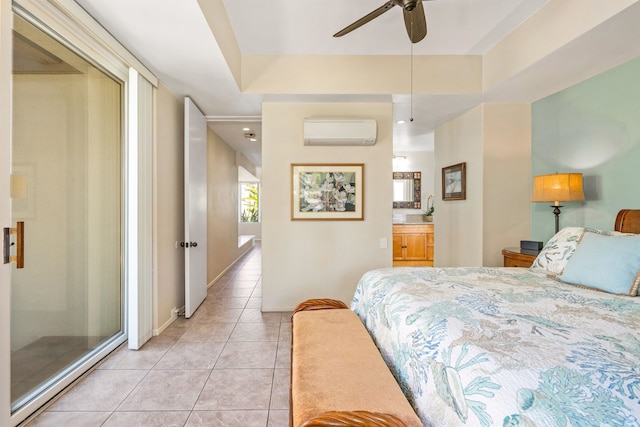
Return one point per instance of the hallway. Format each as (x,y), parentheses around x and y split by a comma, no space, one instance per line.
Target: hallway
(228,365)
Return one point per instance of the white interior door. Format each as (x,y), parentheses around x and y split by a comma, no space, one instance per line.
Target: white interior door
(195,205)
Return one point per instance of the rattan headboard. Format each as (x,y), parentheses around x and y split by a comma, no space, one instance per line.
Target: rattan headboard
(628,221)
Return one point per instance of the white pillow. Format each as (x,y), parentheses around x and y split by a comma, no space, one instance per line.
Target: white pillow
(553,258)
(556,253)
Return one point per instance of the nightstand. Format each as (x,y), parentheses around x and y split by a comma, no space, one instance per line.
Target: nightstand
(516,257)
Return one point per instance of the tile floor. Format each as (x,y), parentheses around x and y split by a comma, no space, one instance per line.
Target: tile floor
(35,363)
(228,365)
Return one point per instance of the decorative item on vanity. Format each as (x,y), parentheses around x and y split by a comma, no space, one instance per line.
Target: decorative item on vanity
(428,214)
(556,188)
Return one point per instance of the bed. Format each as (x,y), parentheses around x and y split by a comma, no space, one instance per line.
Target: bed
(554,345)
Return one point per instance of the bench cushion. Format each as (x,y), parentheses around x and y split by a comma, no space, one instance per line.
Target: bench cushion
(337,367)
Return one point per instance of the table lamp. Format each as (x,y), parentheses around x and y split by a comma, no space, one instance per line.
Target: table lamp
(556,188)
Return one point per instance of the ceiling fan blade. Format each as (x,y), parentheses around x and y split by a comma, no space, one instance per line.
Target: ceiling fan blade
(415,22)
(371,16)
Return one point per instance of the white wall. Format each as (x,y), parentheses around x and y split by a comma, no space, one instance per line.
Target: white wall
(169,206)
(222,207)
(251,229)
(321,259)
(495,142)
(458,234)
(507,179)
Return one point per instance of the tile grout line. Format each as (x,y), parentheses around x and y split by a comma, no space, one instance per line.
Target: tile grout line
(247,314)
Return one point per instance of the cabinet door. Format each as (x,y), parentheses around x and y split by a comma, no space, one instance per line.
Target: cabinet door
(430,246)
(416,246)
(397,247)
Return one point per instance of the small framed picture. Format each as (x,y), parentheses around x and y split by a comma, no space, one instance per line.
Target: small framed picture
(327,192)
(454,182)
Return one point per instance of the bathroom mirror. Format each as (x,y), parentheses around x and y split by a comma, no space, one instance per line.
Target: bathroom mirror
(406,190)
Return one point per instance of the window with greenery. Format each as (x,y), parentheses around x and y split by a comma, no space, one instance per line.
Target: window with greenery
(249,202)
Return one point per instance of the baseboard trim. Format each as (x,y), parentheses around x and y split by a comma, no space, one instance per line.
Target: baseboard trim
(215,279)
(165,325)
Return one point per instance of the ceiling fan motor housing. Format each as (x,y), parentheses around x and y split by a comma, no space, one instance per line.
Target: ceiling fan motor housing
(409,5)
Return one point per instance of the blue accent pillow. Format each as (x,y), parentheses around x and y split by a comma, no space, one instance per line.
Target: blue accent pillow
(608,263)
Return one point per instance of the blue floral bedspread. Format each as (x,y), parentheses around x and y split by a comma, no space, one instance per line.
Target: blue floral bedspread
(505,346)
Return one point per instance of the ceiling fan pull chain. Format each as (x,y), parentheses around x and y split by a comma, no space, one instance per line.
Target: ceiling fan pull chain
(411,85)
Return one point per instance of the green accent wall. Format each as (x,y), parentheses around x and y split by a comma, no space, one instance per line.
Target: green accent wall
(592,128)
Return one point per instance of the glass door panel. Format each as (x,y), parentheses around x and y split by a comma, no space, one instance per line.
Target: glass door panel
(66,186)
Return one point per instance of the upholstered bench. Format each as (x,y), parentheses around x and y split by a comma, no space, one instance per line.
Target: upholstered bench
(338,377)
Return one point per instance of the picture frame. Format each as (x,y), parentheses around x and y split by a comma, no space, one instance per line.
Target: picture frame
(401,179)
(454,182)
(326,192)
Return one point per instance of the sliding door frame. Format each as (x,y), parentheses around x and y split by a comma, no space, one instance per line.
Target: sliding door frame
(5,208)
(67,22)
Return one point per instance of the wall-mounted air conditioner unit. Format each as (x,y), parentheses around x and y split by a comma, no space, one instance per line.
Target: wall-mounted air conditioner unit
(321,131)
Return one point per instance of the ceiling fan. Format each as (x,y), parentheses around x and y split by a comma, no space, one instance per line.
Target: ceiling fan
(414,19)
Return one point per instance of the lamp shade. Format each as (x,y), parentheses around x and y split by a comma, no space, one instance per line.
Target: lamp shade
(558,187)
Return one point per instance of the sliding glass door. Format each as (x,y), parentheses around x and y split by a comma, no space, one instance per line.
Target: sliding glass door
(67,190)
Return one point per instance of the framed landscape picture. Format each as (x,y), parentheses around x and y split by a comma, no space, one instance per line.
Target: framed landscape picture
(327,191)
(454,182)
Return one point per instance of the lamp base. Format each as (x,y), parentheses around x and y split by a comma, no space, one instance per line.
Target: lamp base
(556,212)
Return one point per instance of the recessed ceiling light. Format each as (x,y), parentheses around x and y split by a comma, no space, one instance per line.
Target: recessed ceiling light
(246,129)
(252,139)
(401,122)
